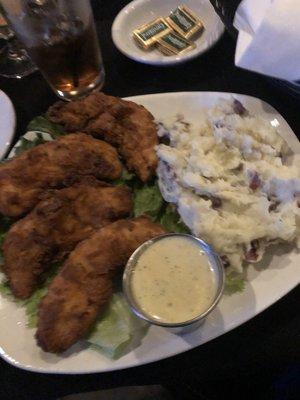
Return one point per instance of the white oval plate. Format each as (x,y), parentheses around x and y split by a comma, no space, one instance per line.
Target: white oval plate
(7,123)
(278,275)
(139,12)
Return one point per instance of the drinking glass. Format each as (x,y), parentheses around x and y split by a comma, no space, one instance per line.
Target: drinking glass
(60,37)
(14,61)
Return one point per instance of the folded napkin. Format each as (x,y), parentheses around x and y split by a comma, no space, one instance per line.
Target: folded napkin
(269,37)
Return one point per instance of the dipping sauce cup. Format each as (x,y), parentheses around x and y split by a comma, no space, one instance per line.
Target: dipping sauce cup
(174,280)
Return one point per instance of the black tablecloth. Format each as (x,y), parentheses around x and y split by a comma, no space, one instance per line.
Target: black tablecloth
(260,359)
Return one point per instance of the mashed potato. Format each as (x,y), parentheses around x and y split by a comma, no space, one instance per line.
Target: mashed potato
(229,182)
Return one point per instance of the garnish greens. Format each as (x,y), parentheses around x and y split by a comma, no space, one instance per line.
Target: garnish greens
(148,200)
(26,144)
(234,283)
(116,328)
(42,124)
(39,124)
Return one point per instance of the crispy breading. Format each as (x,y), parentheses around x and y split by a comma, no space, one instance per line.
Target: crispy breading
(52,165)
(83,287)
(54,227)
(124,124)
(74,115)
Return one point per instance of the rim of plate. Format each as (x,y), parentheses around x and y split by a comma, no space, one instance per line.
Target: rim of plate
(7,122)
(164,60)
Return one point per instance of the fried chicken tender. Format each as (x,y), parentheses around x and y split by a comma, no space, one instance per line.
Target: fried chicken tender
(83,287)
(56,225)
(51,165)
(124,124)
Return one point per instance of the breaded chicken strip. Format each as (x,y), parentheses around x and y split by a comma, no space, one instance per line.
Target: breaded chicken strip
(74,115)
(124,124)
(51,165)
(56,225)
(84,285)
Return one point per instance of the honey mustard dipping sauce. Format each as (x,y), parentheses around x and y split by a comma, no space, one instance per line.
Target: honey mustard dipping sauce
(173,280)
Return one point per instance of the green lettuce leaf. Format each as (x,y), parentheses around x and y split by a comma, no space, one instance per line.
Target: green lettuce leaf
(127,178)
(234,283)
(171,221)
(32,305)
(41,123)
(114,331)
(148,200)
(26,144)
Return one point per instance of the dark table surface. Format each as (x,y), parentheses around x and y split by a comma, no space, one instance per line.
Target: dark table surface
(261,358)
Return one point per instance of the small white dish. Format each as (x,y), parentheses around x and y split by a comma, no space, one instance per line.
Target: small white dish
(139,12)
(215,268)
(7,123)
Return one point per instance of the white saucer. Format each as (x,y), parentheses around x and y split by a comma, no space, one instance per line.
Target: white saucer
(7,123)
(139,12)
